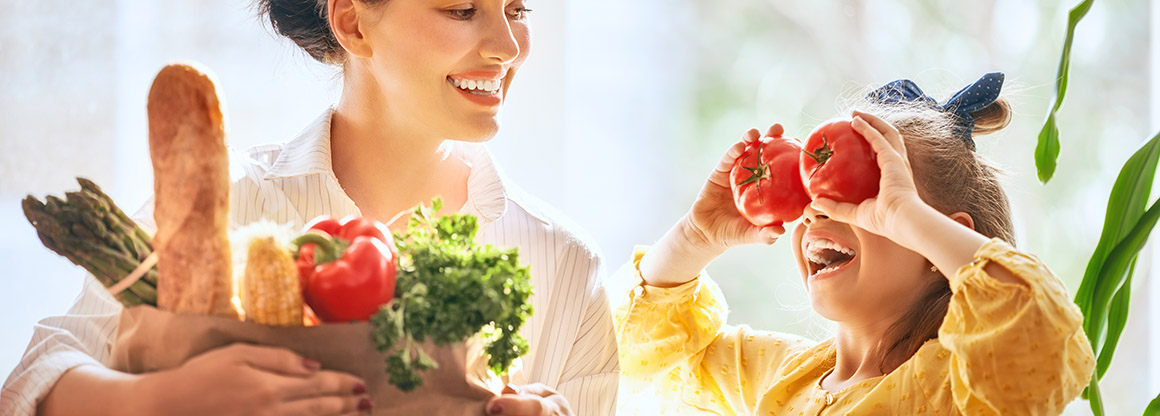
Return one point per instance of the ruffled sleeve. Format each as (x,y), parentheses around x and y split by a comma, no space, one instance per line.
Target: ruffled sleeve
(676,348)
(1015,348)
(661,328)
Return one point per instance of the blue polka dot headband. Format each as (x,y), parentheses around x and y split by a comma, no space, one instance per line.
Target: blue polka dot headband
(970,99)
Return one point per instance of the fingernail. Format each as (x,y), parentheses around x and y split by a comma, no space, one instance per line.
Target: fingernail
(359,388)
(364,404)
(495,409)
(311,364)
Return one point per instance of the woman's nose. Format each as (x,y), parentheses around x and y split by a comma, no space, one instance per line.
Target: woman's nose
(500,43)
(810,215)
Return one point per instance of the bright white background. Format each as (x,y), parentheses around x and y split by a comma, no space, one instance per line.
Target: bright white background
(616,118)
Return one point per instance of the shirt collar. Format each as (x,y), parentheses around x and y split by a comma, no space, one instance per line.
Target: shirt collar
(309,154)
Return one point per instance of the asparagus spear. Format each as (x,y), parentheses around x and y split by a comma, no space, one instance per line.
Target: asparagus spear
(90,230)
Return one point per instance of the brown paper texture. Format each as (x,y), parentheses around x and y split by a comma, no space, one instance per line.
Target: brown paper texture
(149,339)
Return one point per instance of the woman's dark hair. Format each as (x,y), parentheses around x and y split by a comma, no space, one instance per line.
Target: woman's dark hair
(951,178)
(305,23)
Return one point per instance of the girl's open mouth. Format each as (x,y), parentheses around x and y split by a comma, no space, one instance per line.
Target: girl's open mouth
(825,257)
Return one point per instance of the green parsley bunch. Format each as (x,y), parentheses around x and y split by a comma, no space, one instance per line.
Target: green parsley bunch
(449,288)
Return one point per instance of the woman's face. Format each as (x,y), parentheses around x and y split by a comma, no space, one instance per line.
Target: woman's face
(854,276)
(444,66)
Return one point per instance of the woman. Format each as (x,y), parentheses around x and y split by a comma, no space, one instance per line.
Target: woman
(424,81)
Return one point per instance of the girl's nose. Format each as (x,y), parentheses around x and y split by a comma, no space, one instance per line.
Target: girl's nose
(810,215)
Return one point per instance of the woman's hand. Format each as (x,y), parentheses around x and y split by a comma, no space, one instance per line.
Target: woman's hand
(239,379)
(529,400)
(897,196)
(245,379)
(712,226)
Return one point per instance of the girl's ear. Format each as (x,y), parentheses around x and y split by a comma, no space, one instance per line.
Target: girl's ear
(344,18)
(964,219)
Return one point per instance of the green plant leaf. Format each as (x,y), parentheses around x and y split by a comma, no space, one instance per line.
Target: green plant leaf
(1095,399)
(1153,408)
(1114,273)
(1047,150)
(1117,319)
(1126,204)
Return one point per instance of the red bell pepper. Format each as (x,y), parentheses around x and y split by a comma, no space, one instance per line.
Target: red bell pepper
(347,268)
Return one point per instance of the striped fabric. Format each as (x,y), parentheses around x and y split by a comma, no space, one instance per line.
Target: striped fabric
(573,347)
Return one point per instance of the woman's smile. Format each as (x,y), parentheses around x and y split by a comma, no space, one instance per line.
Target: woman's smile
(480,87)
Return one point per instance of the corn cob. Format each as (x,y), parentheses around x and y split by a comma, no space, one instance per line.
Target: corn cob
(271,294)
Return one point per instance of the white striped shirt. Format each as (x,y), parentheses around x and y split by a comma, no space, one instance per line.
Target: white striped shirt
(573,346)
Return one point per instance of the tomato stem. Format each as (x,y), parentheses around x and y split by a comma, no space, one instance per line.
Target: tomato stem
(757,174)
(821,154)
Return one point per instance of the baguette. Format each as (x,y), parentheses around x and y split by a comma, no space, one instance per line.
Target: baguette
(191,193)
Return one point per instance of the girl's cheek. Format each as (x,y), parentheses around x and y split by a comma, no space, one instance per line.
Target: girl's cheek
(796,241)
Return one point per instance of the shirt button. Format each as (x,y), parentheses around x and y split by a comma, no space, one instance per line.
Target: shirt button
(829,398)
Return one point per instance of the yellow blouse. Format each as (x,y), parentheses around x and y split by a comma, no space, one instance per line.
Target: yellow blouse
(1003,349)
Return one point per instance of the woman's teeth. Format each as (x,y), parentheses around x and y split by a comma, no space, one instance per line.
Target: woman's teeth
(490,86)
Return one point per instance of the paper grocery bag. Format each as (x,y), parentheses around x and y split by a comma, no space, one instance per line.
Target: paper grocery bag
(149,339)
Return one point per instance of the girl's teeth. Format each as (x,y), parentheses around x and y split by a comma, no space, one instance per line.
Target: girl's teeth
(828,269)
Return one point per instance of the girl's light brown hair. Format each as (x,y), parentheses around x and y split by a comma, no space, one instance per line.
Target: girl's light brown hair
(951,178)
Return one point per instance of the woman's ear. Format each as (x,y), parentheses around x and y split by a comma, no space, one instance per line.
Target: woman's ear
(964,219)
(344,18)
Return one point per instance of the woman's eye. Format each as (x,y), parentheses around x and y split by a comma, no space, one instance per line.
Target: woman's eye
(519,13)
(462,14)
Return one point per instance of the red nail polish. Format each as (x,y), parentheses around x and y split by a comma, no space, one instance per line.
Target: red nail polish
(359,388)
(311,364)
(496,409)
(364,404)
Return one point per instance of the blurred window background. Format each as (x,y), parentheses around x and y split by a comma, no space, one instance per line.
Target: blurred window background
(617,118)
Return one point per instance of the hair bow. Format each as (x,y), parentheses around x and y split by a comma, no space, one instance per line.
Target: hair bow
(971,98)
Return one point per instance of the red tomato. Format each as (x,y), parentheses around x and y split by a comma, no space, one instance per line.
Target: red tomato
(839,164)
(766,181)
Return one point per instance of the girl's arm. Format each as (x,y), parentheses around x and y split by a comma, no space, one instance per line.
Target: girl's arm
(668,319)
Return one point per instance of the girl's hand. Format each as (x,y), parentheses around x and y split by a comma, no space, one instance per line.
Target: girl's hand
(711,227)
(897,195)
(714,223)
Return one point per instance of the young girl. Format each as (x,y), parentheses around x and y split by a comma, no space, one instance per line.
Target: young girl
(423,83)
(936,311)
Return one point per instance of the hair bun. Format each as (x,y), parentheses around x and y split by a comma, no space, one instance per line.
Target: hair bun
(993,117)
(305,23)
